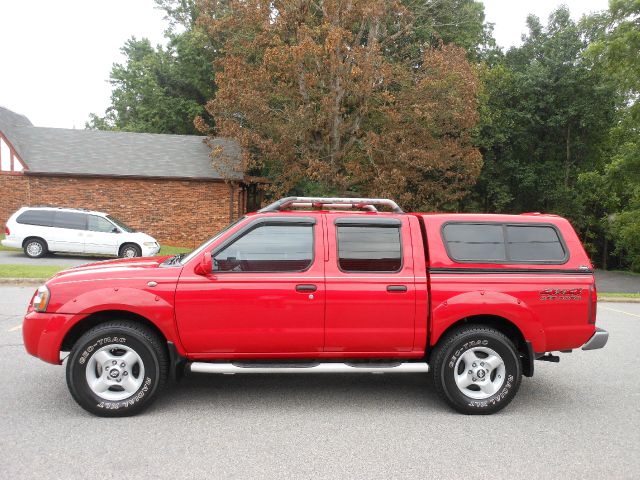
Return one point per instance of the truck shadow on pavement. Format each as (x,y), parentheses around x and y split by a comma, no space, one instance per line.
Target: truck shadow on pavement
(324,392)
(302,391)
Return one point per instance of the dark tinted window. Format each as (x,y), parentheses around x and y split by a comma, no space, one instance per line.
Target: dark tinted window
(77,221)
(534,244)
(268,248)
(99,224)
(43,218)
(369,248)
(495,243)
(475,242)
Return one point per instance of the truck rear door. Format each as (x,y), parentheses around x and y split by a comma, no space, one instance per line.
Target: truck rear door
(370,284)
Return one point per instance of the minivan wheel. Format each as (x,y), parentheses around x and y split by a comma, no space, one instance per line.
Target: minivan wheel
(130,250)
(476,370)
(35,248)
(117,369)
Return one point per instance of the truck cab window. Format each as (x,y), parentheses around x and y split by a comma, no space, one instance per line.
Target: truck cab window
(369,248)
(268,248)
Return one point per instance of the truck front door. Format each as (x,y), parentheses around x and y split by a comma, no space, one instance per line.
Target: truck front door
(265,294)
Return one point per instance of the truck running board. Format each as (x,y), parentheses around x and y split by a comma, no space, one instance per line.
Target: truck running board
(232,368)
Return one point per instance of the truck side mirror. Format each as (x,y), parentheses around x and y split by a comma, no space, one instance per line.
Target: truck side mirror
(205,267)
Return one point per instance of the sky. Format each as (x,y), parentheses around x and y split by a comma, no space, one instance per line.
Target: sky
(55,56)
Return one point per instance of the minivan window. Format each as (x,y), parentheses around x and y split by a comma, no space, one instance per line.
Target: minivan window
(268,248)
(42,218)
(73,220)
(100,224)
(121,225)
(503,243)
(369,248)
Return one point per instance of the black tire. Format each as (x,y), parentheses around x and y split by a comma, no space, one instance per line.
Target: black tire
(130,250)
(35,248)
(448,364)
(152,368)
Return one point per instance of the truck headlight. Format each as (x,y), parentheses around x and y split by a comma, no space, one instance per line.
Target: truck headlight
(41,299)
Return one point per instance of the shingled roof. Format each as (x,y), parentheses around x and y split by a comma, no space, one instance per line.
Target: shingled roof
(121,154)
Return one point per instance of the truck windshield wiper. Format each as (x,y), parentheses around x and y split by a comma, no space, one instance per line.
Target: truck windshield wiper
(175,259)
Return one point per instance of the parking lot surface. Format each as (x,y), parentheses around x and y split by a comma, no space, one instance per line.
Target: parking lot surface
(576,419)
(19,258)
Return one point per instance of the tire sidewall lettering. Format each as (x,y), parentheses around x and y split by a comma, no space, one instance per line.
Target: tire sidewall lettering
(89,349)
(129,402)
(448,374)
(146,390)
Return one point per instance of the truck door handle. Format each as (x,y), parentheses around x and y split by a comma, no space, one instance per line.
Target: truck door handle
(396,288)
(306,288)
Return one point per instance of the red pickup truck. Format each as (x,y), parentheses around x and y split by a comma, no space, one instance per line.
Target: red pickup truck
(326,285)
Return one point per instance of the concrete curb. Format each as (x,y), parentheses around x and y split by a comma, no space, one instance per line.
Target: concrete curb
(618,300)
(22,281)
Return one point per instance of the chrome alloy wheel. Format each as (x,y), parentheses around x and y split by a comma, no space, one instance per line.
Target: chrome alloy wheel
(129,252)
(34,249)
(479,373)
(115,372)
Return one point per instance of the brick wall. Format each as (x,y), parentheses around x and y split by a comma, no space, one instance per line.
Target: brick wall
(175,212)
(14,193)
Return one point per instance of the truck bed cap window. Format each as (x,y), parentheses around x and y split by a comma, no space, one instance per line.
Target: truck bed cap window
(490,242)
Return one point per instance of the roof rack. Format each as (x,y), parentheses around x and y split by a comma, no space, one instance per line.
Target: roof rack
(368,204)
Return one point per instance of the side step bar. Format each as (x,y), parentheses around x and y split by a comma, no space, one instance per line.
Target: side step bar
(231,368)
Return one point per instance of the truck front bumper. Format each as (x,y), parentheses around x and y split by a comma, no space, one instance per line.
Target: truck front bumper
(597,340)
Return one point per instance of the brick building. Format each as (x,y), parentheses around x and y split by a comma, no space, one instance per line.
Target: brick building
(164,185)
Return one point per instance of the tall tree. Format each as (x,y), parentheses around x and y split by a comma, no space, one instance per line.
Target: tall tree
(326,97)
(615,50)
(162,89)
(545,115)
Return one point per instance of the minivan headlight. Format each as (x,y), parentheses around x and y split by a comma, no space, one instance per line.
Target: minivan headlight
(41,299)
(150,244)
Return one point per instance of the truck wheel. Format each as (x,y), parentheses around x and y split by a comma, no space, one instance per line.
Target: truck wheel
(116,369)
(476,370)
(35,248)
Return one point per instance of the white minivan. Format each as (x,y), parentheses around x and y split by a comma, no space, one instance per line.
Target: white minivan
(39,230)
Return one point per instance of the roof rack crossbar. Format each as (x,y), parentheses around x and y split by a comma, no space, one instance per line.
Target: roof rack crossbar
(361,203)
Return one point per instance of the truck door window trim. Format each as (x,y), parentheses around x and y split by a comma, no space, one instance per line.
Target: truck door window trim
(381,223)
(269,221)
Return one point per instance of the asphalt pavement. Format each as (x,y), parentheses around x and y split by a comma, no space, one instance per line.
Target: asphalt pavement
(576,419)
(59,259)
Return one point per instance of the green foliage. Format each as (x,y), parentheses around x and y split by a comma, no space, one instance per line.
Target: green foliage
(162,89)
(544,118)
(615,50)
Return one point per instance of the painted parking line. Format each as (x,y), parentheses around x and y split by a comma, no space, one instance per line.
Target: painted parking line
(13,329)
(620,311)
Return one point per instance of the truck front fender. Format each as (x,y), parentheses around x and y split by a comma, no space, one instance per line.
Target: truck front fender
(157,307)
